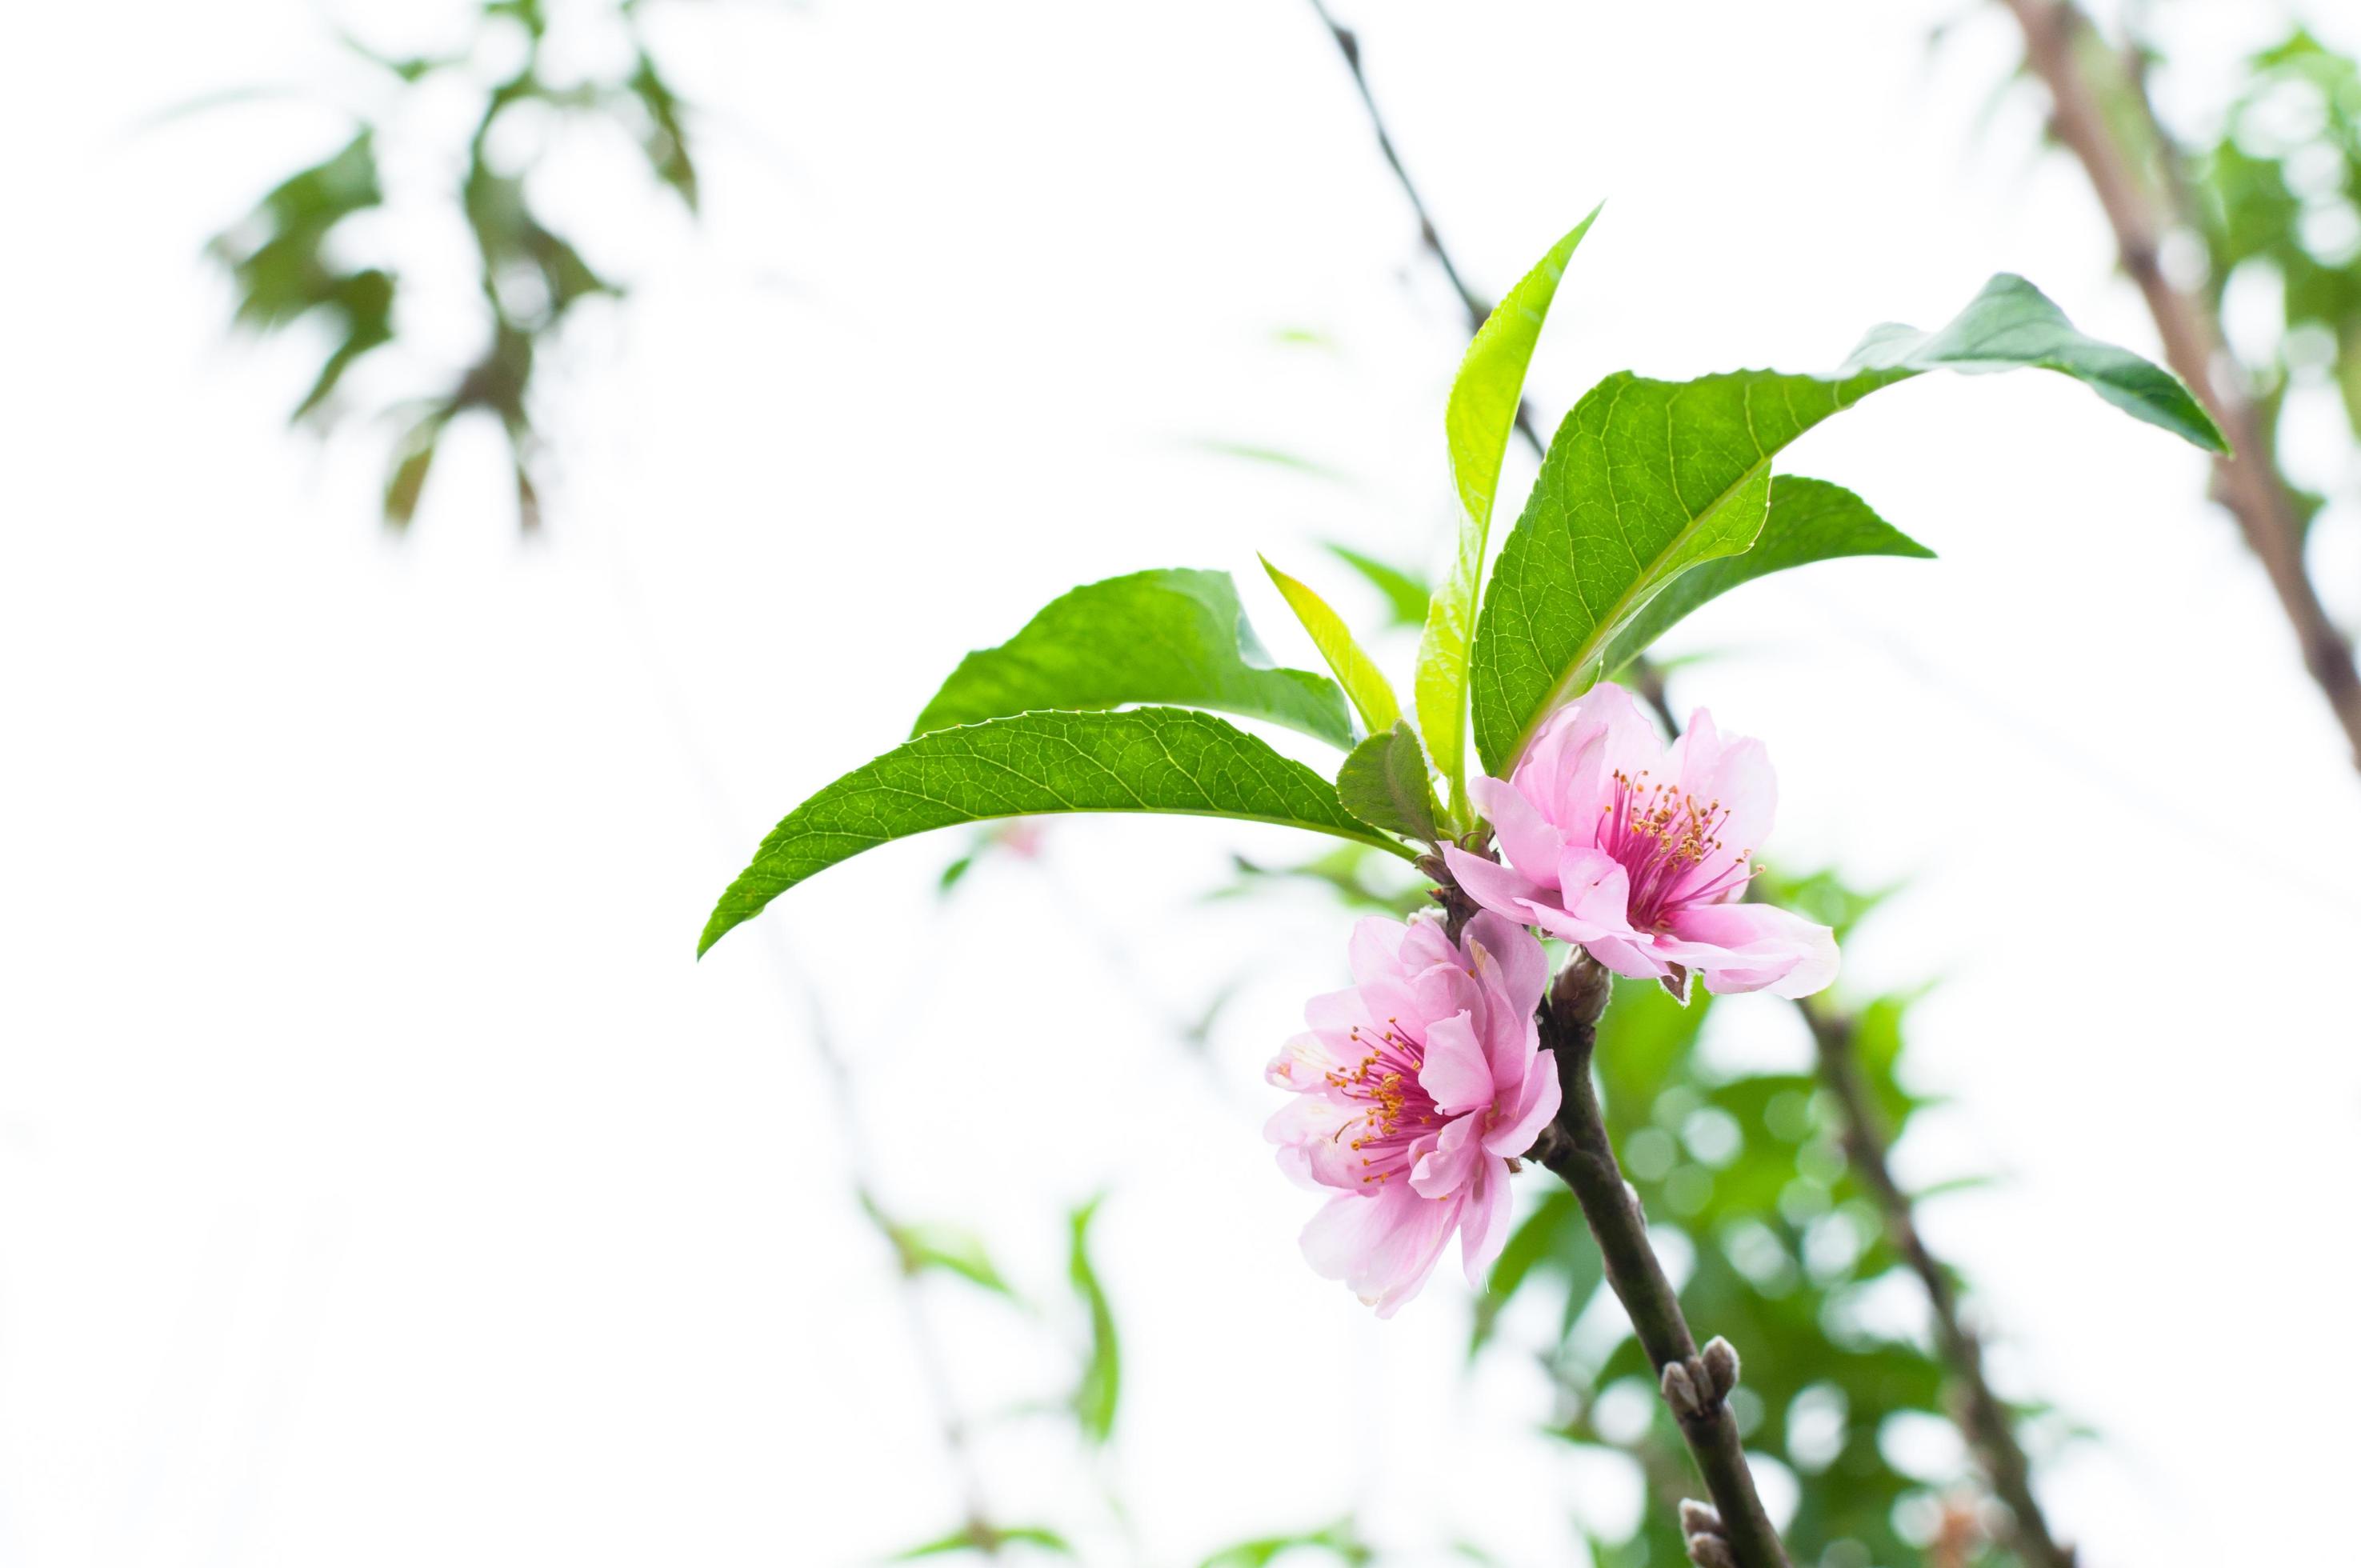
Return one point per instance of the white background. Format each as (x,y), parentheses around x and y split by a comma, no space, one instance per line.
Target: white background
(381,1183)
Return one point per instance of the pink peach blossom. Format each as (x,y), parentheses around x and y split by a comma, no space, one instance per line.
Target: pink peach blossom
(1414,1089)
(1640,853)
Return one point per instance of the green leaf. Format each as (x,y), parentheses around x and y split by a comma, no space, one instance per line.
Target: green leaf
(1366,684)
(1810,520)
(1163,759)
(918,1247)
(1342,1539)
(664,139)
(988,1540)
(1407,594)
(1479,422)
(1174,636)
(1101,1388)
(2012,325)
(1646,479)
(1384,783)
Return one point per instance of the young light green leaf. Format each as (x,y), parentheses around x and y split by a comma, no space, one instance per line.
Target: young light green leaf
(1810,520)
(1646,479)
(1164,760)
(1372,694)
(2012,325)
(1100,1388)
(1384,783)
(1480,418)
(1407,594)
(1173,636)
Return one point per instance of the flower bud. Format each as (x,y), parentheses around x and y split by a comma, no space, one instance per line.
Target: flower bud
(1720,1358)
(1711,1552)
(1681,1390)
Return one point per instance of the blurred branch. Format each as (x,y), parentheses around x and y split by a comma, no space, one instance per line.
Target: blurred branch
(1348,44)
(1577,1149)
(1979,1411)
(2142,212)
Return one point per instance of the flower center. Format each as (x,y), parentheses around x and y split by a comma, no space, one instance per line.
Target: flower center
(1662,836)
(1399,1111)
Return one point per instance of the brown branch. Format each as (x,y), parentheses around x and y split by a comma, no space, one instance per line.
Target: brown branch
(1980,1413)
(2248,484)
(1575,1149)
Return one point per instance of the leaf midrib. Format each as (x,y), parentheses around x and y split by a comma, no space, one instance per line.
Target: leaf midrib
(1603,629)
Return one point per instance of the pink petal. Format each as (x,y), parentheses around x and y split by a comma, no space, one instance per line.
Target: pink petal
(1632,957)
(1455,1077)
(1537,1101)
(1493,886)
(1751,947)
(1376,950)
(1523,965)
(1304,1062)
(1531,843)
(1445,1169)
(1314,1135)
(1594,887)
(1382,1246)
(1484,1224)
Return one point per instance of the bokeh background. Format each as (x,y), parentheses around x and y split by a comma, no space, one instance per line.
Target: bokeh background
(381,1181)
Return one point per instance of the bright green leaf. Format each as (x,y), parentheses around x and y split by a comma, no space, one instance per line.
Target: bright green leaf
(1810,520)
(2012,325)
(1479,422)
(1366,684)
(1646,479)
(1174,636)
(1384,783)
(1164,760)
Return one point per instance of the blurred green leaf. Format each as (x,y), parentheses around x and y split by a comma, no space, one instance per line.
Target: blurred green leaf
(988,1540)
(1355,873)
(1407,593)
(665,140)
(1340,1541)
(921,1247)
(1100,1388)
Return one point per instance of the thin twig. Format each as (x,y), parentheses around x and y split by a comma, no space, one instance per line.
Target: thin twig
(1979,1412)
(1644,675)
(1575,1149)
(1478,309)
(2248,483)
(798,988)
